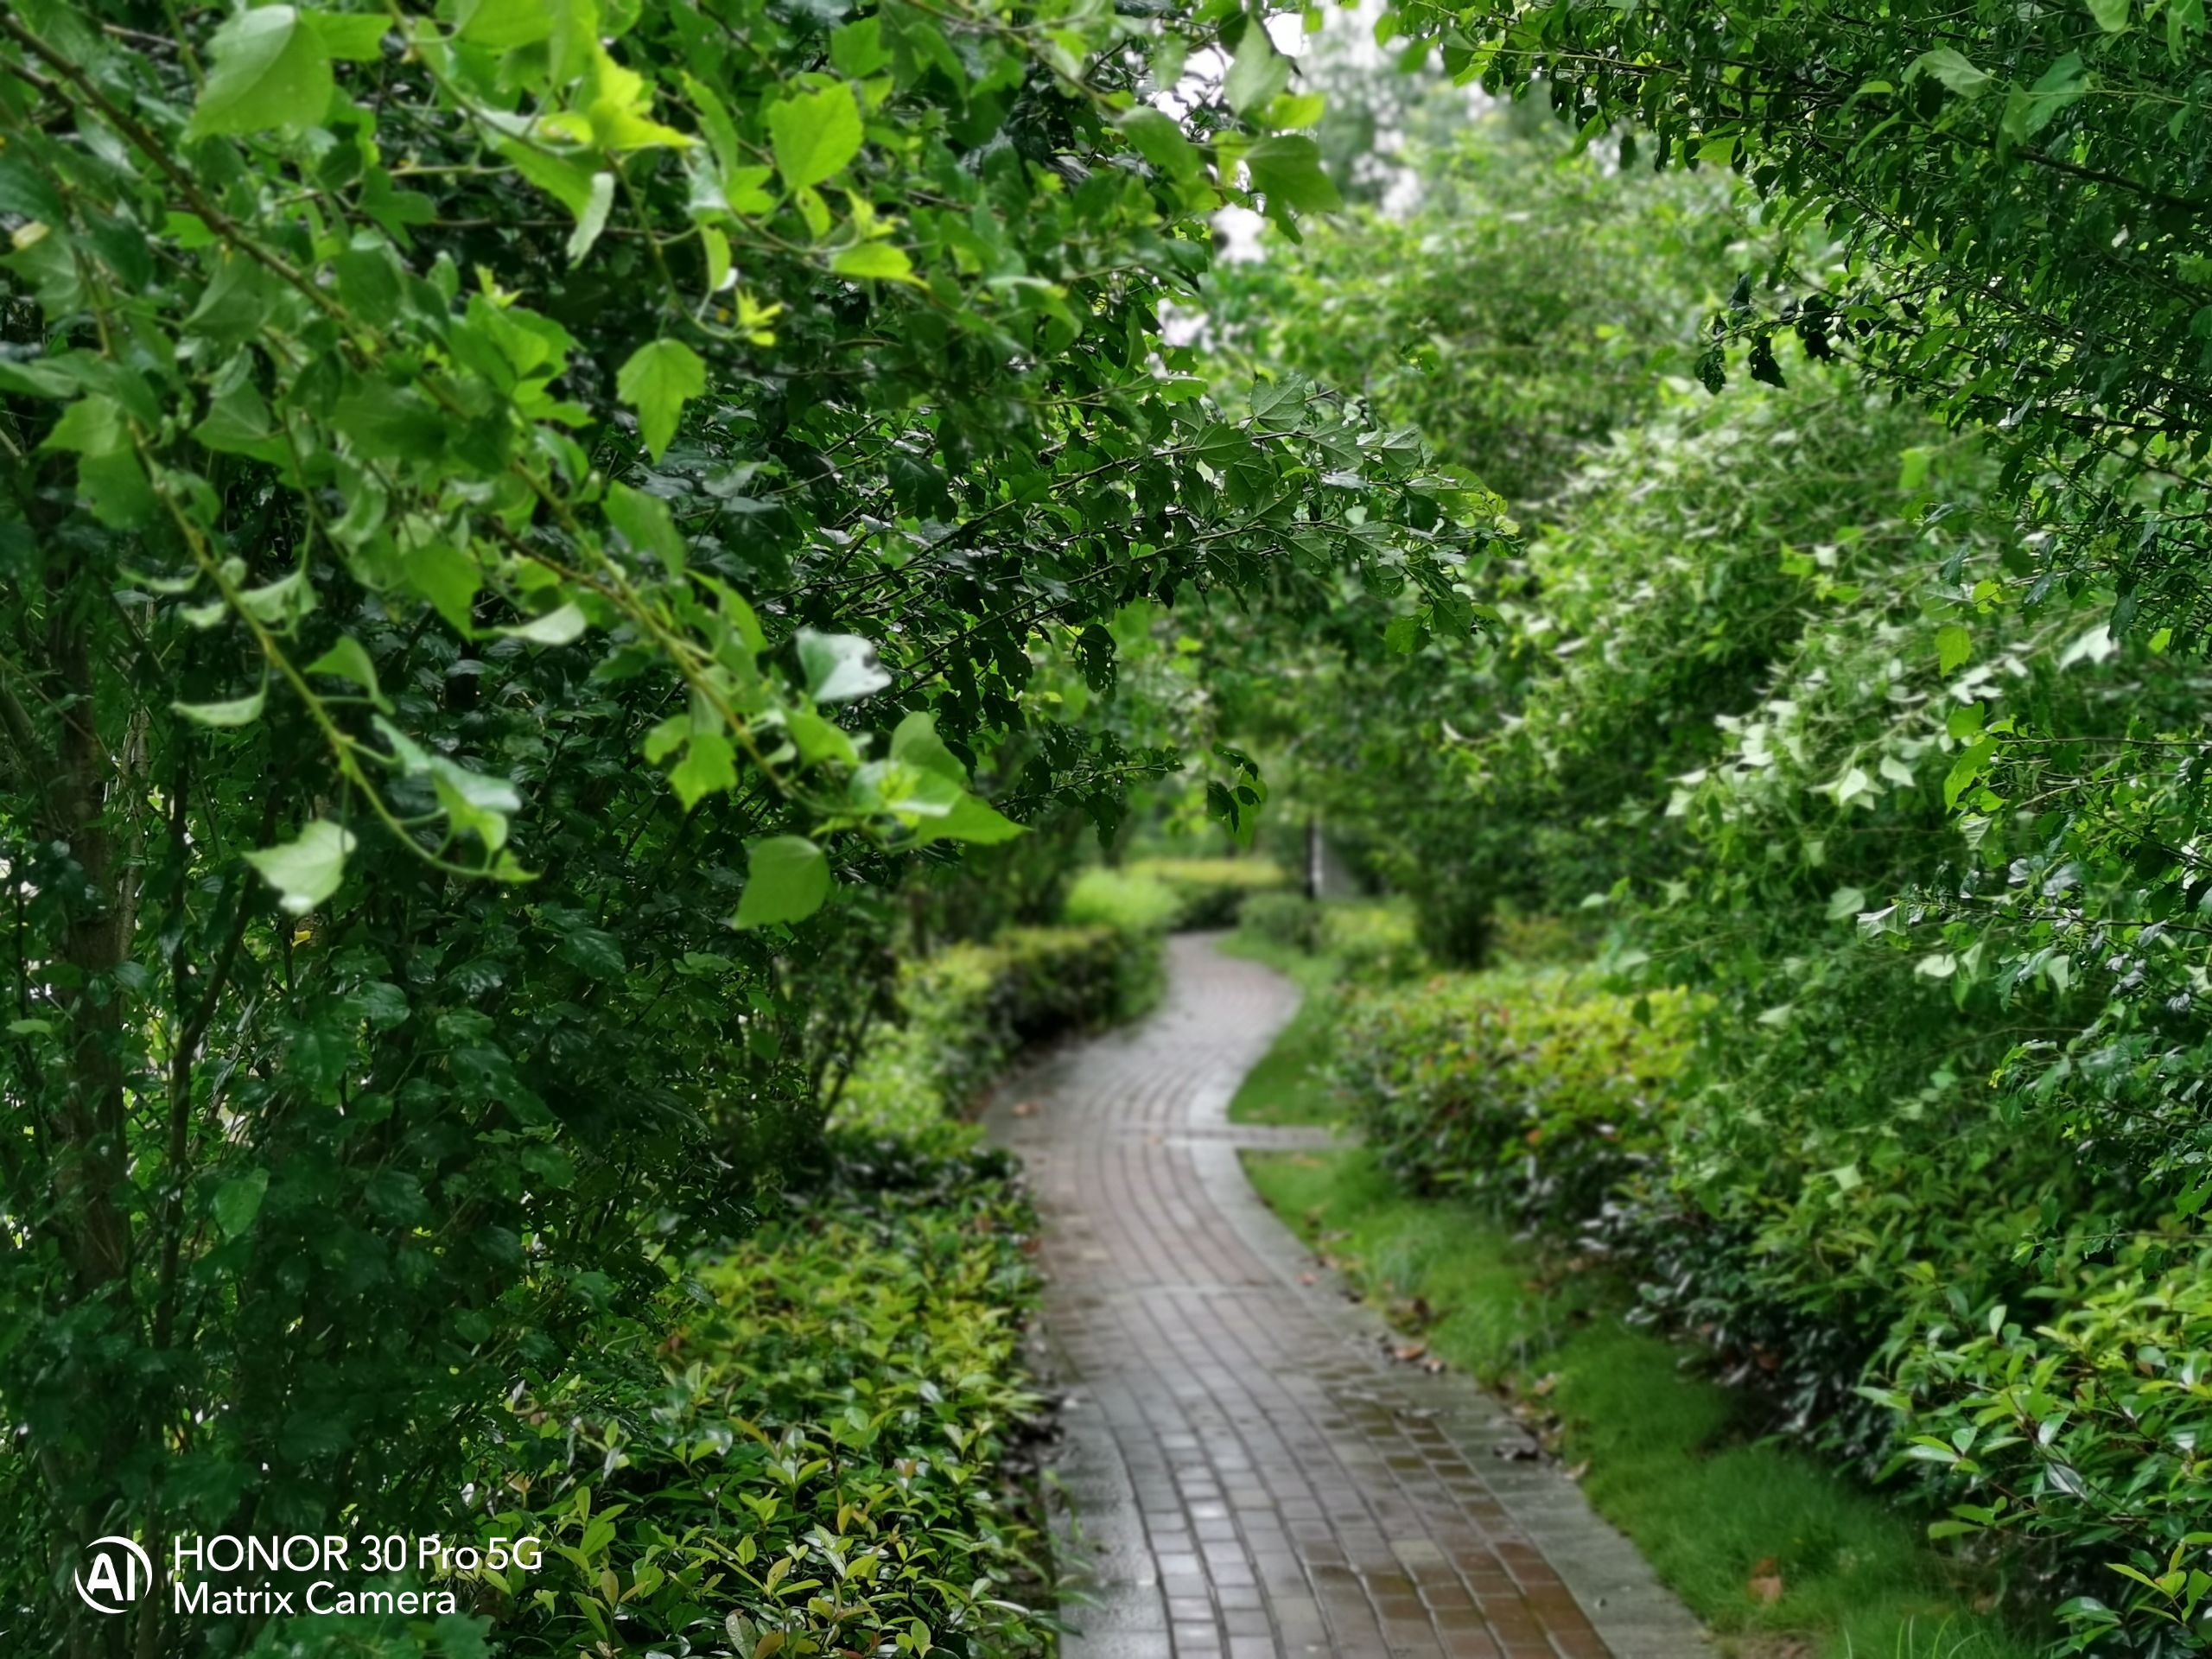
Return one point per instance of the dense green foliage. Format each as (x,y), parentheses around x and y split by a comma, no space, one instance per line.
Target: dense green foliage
(965,1012)
(1782,698)
(816,1446)
(1531,1089)
(495,495)
(1764,1544)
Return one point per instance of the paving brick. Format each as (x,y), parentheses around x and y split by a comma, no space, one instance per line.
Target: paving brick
(1254,1477)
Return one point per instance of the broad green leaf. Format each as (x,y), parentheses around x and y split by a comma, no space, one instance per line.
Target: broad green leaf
(971,820)
(1287,167)
(1954,645)
(307,871)
(814,135)
(915,743)
(1952,68)
(591,216)
(2111,15)
(786,880)
(1973,761)
(237,1202)
(878,260)
(644,523)
(562,626)
(1158,138)
(349,660)
(350,37)
(1257,72)
(856,49)
(505,24)
(238,711)
(475,802)
(658,379)
(839,667)
(2028,112)
(268,67)
(709,767)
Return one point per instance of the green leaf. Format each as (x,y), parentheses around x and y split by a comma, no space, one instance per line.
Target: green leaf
(972,820)
(878,261)
(503,25)
(269,68)
(2029,112)
(786,881)
(644,523)
(238,711)
(915,743)
(1973,761)
(1158,138)
(307,871)
(1954,645)
(591,215)
(709,767)
(350,37)
(2111,15)
(839,667)
(814,135)
(658,381)
(237,1201)
(475,803)
(1402,635)
(856,49)
(349,660)
(1953,69)
(562,626)
(1287,167)
(91,426)
(1257,72)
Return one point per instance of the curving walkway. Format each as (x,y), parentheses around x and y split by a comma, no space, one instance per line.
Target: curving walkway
(1251,1475)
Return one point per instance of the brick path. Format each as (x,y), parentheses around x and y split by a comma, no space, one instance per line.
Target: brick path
(1252,1476)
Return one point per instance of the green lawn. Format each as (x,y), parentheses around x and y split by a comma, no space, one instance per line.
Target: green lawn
(1776,1553)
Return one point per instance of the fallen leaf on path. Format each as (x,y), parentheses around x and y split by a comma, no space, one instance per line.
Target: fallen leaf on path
(1309,1278)
(1409,1351)
(1025,1109)
(1579,1470)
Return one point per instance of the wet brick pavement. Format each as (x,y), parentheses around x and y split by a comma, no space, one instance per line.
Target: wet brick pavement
(1253,1476)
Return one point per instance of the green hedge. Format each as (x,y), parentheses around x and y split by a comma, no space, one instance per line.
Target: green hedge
(967,1012)
(816,1450)
(1209,891)
(1531,1088)
(2080,1427)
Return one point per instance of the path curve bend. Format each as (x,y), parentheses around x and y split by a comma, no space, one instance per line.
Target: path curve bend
(1251,1474)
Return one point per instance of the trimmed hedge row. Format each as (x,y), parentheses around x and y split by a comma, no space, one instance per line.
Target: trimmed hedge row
(1172,894)
(1532,1089)
(1884,1298)
(967,1012)
(814,1459)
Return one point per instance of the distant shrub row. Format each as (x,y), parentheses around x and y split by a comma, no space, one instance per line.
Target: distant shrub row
(1170,894)
(965,1014)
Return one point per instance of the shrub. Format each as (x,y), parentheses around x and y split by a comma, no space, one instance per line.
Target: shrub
(821,1453)
(1534,1090)
(2083,1432)
(1289,919)
(1124,899)
(965,1012)
(1373,944)
(1210,892)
